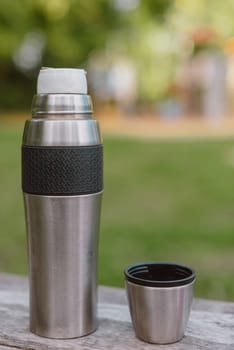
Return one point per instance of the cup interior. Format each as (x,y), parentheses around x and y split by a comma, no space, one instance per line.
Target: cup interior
(159,274)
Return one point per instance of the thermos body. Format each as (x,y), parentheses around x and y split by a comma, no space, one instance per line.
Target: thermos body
(62,180)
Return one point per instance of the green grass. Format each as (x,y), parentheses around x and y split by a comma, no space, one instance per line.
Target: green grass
(163,200)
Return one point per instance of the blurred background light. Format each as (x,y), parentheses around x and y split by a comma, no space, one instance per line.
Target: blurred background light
(29,54)
(126,5)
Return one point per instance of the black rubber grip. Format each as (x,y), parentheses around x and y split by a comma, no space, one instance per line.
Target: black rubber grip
(62,170)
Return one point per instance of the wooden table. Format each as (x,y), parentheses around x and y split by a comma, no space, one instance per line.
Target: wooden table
(211,324)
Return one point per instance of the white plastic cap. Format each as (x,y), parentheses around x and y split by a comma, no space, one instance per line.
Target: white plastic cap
(62,81)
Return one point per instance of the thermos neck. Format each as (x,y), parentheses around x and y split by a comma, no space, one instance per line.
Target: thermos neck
(46,105)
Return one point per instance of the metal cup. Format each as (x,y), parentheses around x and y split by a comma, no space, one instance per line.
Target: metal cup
(160,296)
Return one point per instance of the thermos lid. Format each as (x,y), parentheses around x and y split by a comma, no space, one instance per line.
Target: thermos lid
(61,81)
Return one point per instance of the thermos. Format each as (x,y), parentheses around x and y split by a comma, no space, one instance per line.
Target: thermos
(62,181)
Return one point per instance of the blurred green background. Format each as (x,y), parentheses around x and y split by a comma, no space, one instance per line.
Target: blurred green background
(164,199)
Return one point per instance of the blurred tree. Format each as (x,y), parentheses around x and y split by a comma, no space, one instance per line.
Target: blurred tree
(59,33)
(154,34)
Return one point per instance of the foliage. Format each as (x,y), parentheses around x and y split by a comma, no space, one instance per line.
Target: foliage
(57,33)
(155,34)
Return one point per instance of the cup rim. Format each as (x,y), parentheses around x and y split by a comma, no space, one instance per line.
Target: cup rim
(183,274)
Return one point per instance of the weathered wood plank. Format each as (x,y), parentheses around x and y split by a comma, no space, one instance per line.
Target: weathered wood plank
(211,325)
(113,295)
(2,347)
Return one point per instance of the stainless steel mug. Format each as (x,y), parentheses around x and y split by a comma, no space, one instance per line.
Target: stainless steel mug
(160,297)
(62,181)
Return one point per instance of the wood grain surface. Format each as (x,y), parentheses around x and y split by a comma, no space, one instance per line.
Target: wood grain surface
(211,325)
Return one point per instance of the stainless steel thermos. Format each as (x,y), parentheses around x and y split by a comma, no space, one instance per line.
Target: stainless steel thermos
(62,181)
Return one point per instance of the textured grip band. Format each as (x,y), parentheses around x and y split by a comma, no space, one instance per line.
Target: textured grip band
(62,170)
